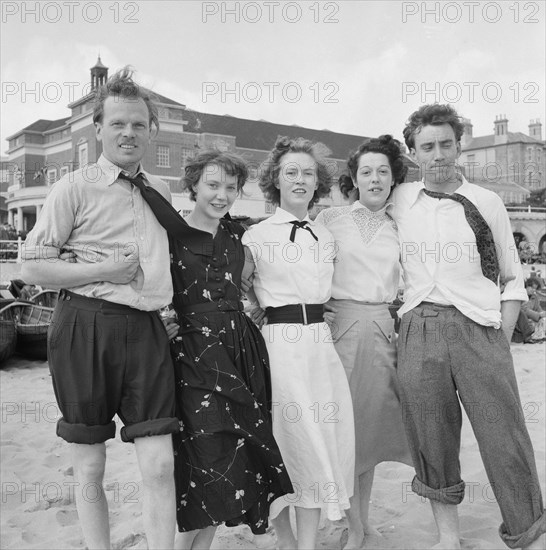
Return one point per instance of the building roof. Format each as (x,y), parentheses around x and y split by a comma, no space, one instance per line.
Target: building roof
(43,125)
(260,134)
(162,99)
(158,98)
(481,142)
(40,126)
(498,187)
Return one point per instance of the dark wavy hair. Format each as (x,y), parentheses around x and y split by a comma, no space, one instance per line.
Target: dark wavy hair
(233,164)
(121,84)
(432,115)
(269,176)
(385,145)
(532,281)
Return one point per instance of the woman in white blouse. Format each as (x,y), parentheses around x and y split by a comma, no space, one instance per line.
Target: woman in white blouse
(366,279)
(312,411)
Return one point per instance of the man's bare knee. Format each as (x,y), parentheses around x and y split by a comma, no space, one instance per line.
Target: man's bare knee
(89,461)
(155,459)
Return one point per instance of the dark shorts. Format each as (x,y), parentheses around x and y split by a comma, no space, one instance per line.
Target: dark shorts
(108,359)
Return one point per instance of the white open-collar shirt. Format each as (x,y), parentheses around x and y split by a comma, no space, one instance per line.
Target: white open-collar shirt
(439,255)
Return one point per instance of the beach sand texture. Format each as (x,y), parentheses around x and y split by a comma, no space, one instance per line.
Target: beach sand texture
(38,509)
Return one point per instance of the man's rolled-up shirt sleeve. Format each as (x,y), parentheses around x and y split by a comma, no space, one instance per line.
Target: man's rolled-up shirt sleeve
(511,272)
(54,225)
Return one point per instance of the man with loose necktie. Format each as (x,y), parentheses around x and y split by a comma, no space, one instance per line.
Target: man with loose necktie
(108,351)
(457,251)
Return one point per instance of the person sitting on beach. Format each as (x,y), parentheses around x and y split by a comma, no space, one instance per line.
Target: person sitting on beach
(108,350)
(534,312)
(455,333)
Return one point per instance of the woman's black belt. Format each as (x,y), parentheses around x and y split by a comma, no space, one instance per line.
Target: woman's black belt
(305,314)
(209,307)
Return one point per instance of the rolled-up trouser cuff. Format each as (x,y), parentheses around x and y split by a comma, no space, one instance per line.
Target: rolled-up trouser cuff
(159,426)
(447,495)
(84,434)
(524,539)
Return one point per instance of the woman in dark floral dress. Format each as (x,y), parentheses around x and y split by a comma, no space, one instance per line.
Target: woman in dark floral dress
(228,467)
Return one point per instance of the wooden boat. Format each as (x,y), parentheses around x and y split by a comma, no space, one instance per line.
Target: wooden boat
(32,325)
(31,322)
(8,333)
(47,298)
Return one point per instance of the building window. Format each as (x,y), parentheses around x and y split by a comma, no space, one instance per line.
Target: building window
(185,156)
(82,155)
(269,207)
(51,176)
(162,156)
(529,153)
(64,171)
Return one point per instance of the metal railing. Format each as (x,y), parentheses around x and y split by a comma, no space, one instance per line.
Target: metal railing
(10,251)
(529,209)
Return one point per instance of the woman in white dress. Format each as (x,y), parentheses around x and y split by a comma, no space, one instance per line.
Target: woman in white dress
(312,411)
(366,279)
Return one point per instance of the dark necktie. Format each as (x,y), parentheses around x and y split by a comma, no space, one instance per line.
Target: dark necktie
(482,232)
(300,225)
(167,216)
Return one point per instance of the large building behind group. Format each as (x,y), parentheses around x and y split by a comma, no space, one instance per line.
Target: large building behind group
(46,150)
(511,164)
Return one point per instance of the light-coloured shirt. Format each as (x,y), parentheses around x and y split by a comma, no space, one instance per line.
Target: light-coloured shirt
(439,254)
(298,272)
(95,214)
(367,265)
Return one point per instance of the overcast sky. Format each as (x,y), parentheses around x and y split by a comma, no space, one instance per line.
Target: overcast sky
(359,67)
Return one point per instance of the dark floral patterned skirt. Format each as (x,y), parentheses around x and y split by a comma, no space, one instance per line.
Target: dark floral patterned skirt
(228,467)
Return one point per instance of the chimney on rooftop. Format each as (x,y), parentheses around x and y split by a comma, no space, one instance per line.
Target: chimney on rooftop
(535,129)
(467,133)
(501,129)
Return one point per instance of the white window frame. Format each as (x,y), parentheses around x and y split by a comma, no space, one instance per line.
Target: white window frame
(51,176)
(163,155)
(83,156)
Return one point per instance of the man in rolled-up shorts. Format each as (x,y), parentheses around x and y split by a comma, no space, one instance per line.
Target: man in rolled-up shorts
(107,348)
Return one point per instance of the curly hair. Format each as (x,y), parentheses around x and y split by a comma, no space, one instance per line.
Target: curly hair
(532,281)
(121,84)
(269,176)
(432,115)
(385,145)
(233,164)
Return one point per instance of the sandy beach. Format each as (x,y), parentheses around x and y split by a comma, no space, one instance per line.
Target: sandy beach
(38,509)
